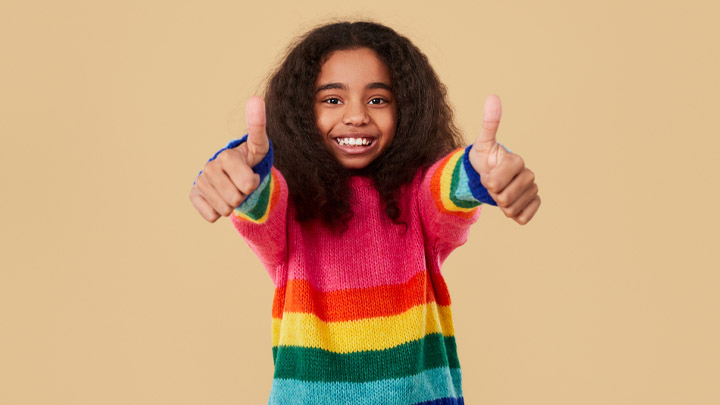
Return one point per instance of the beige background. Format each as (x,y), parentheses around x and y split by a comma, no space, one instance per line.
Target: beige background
(113,290)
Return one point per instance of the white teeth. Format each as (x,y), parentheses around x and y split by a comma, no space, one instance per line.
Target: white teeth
(353,141)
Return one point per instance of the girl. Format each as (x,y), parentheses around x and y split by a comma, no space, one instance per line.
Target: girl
(352,193)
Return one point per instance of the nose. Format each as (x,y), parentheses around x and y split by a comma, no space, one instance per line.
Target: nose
(355,114)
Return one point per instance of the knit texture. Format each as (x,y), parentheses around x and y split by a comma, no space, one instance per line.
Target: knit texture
(364,317)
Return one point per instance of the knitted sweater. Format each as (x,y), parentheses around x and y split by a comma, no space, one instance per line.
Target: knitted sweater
(363,317)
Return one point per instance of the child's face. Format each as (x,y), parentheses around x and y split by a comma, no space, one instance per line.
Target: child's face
(355,107)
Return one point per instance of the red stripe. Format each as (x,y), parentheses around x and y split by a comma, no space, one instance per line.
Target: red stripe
(275,192)
(358,303)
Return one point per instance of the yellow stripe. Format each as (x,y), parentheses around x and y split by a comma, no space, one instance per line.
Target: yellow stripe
(446,182)
(307,330)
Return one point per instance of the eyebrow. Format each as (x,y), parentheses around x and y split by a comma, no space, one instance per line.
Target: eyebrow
(341,86)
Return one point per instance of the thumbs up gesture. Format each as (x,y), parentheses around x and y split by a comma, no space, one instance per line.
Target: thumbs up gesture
(226,181)
(503,173)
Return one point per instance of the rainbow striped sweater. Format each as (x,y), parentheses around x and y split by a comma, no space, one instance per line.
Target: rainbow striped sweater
(364,317)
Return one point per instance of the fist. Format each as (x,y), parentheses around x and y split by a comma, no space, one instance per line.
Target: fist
(504,175)
(226,181)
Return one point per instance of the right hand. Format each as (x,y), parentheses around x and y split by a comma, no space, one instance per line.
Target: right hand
(503,173)
(226,181)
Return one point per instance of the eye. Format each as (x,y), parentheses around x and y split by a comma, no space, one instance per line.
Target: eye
(332,100)
(378,100)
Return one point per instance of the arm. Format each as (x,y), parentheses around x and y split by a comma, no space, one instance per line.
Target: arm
(261,220)
(485,172)
(239,181)
(450,194)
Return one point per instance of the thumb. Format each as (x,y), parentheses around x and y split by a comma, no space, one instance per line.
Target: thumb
(485,149)
(257,141)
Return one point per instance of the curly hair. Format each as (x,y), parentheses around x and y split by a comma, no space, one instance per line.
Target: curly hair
(425,130)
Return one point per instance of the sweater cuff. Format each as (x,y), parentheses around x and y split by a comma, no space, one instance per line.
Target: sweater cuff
(476,188)
(262,168)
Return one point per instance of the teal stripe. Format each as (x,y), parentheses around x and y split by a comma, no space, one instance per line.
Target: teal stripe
(313,364)
(460,193)
(427,386)
(257,202)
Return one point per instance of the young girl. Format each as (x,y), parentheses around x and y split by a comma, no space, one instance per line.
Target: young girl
(353,207)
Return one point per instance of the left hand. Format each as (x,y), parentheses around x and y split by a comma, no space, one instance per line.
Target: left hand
(503,173)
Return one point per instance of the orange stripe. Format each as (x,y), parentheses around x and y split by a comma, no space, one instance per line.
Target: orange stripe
(275,192)
(436,190)
(358,303)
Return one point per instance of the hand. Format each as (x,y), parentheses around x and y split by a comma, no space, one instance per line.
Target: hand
(226,181)
(503,173)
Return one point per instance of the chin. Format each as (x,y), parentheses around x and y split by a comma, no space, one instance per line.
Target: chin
(355,164)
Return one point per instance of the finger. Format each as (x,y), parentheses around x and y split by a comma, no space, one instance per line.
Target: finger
(517,187)
(485,147)
(521,202)
(492,111)
(211,195)
(529,212)
(242,177)
(218,176)
(202,206)
(504,173)
(258,144)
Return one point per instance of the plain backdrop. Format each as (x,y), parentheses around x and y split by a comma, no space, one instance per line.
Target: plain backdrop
(113,290)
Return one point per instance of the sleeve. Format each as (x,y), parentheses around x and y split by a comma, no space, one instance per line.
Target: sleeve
(261,217)
(450,196)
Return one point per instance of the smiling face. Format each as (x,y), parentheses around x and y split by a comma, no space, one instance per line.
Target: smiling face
(355,107)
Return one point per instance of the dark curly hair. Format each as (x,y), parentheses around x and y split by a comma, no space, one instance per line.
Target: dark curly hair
(317,182)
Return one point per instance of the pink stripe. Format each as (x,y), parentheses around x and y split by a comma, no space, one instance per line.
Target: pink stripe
(355,261)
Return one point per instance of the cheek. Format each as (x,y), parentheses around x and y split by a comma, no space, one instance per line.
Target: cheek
(391,123)
(323,121)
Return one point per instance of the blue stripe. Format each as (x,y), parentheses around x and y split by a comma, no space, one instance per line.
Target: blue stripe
(476,187)
(431,385)
(444,401)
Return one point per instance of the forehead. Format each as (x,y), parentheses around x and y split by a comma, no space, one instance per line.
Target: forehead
(353,66)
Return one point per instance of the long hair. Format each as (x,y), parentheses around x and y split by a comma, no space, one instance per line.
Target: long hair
(425,131)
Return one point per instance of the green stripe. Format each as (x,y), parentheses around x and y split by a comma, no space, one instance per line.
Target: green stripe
(258,210)
(454,186)
(312,364)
